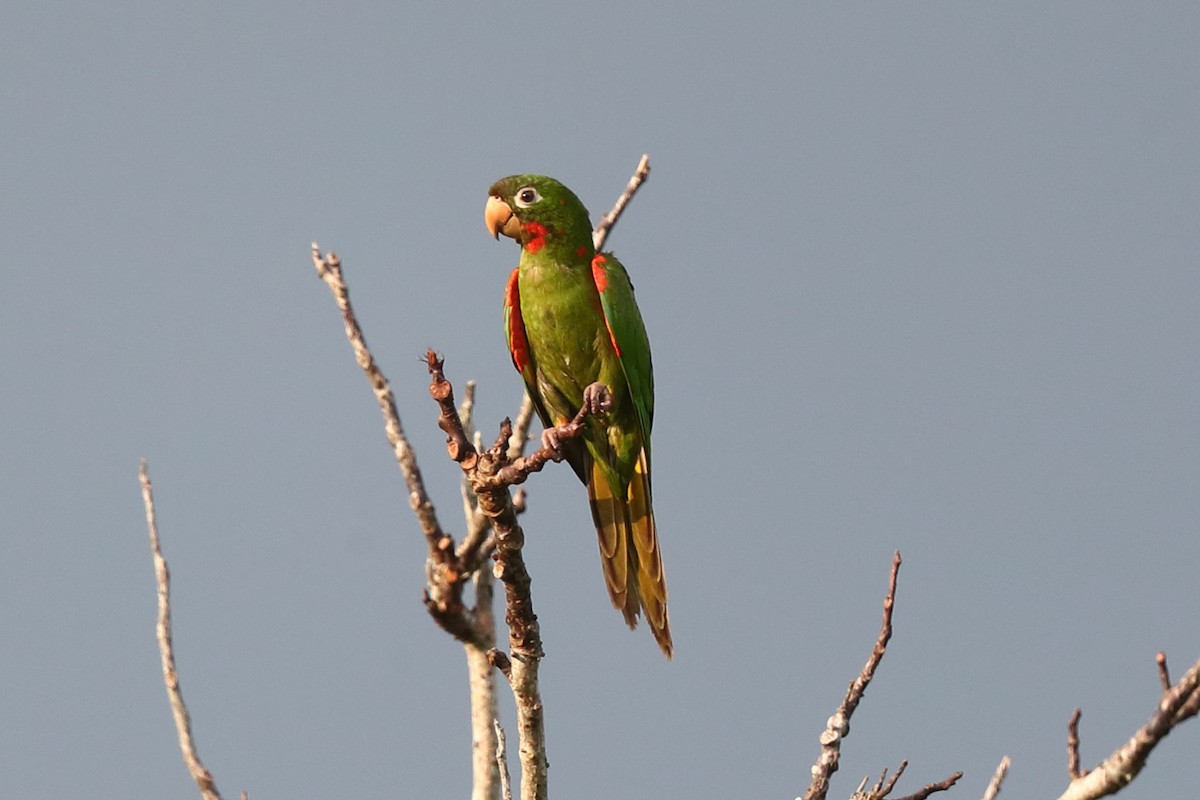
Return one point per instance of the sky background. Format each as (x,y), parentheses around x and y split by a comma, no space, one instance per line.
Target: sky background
(918,276)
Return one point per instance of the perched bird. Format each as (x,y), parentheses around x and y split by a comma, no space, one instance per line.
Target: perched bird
(577,338)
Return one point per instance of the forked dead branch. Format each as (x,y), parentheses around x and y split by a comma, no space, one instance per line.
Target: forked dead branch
(1179,703)
(837,727)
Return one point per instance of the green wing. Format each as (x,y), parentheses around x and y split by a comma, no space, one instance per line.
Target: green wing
(628,534)
(628,333)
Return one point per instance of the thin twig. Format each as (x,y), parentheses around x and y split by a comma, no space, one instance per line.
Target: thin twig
(838,725)
(606,224)
(474,547)
(500,660)
(1073,744)
(1163,673)
(882,787)
(1177,704)
(471,550)
(447,570)
(481,678)
(329,268)
(502,761)
(885,786)
(466,409)
(166,648)
(446,573)
(930,788)
(993,787)
(520,434)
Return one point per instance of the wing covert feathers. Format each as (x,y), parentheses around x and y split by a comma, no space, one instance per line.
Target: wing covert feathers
(629,554)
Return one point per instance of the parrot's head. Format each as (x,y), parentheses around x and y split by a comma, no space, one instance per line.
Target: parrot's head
(536,210)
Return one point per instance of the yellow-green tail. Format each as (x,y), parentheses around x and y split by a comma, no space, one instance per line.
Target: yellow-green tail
(629,554)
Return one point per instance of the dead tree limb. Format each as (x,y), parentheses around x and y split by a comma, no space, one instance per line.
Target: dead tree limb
(524,635)
(1178,703)
(609,220)
(837,727)
(448,570)
(166,648)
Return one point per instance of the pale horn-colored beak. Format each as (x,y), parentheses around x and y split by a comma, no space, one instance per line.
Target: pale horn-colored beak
(499,219)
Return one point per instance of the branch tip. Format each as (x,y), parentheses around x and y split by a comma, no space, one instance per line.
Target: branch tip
(1163,674)
(609,221)
(993,787)
(838,725)
(1073,744)
(166,647)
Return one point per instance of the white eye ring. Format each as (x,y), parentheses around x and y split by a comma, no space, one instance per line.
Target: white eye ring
(526,197)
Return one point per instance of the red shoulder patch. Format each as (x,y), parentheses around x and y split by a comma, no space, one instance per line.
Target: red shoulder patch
(600,276)
(516,326)
(537,236)
(599,273)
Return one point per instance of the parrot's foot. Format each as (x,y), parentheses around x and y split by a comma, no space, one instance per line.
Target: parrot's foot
(597,399)
(552,439)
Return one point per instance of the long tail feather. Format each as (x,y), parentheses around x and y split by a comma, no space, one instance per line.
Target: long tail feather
(629,554)
(651,577)
(611,517)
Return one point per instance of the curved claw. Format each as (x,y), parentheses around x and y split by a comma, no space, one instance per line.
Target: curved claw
(552,441)
(597,399)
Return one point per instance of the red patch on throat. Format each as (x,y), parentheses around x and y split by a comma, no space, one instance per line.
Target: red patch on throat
(516,326)
(537,236)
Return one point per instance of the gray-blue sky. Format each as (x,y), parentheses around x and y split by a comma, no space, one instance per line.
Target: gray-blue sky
(917,276)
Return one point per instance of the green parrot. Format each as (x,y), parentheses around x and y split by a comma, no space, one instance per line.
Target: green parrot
(577,338)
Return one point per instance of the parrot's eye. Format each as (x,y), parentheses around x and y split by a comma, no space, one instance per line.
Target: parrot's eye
(527,197)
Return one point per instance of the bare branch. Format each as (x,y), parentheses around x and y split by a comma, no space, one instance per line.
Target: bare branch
(1163,673)
(1073,744)
(502,760)
(930,788)
(472,550)
(524,634)
(885,786)
(445,572)
(993,787)
(166,647)
(466,408)
(882,787)
(329,268)
(481,678)
(838,726)
(1178,703)
(520,434)
(610,219)
(476,546)
(499,659)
